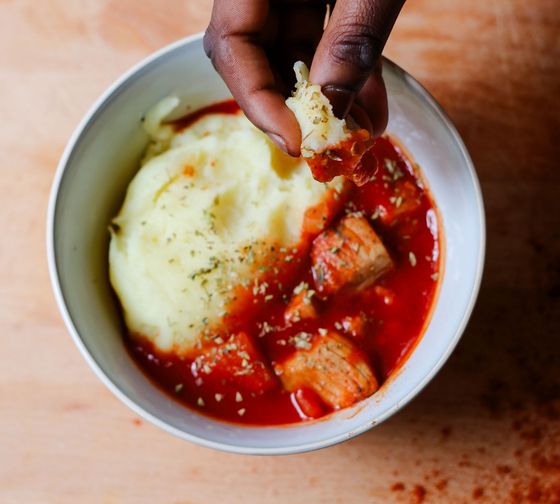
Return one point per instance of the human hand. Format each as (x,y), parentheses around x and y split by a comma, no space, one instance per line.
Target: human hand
(253,44)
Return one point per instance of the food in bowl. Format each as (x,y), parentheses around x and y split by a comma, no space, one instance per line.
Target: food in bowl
(253,292)
(331,146)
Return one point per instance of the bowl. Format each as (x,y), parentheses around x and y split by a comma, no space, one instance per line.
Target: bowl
(102,157)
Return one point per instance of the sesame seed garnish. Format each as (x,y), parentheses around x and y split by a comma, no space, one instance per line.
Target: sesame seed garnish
(390,165)
(302,340)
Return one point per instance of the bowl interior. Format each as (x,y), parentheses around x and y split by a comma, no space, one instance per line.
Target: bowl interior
(101,159)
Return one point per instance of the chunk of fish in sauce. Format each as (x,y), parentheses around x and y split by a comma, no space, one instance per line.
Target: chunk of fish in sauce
(334,368)
(302,306)
(351,254)
(236,360)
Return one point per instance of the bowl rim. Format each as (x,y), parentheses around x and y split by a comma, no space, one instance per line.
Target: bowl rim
(234,447)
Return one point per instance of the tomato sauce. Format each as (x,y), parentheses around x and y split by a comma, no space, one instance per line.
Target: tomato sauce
(397,306)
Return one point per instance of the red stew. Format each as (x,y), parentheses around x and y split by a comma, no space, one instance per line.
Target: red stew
(382,320)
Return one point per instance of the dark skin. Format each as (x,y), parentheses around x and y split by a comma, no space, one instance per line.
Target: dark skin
(253,44)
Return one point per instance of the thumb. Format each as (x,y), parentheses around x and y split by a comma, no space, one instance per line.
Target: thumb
(350,50)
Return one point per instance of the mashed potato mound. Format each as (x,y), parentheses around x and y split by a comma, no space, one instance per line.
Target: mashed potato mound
(206,200)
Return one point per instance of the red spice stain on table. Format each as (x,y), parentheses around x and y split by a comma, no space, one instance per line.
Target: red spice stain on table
(397,487)
(532,472)
(418,494)
(395,308)
(478,492)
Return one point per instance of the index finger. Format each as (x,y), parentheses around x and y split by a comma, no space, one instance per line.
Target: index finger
(233,43)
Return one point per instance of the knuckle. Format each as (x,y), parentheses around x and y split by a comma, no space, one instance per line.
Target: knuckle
(208,42)
(217,43)
(356,44)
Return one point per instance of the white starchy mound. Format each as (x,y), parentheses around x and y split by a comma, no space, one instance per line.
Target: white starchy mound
(179,243)
(320,128)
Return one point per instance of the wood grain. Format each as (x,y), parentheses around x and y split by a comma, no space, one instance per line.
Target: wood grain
(485,430)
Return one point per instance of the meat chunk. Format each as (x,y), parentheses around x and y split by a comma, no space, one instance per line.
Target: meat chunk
(301,306)
(352,254)
(407,200)
(318,217)
(333,367)
(235,360)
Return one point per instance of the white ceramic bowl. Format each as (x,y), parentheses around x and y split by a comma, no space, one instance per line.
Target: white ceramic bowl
(101,158)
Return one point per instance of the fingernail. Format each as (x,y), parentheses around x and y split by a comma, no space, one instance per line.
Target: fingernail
(278,140)
(341,99)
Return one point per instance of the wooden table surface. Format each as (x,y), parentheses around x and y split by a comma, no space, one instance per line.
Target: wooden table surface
(486,429)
